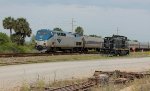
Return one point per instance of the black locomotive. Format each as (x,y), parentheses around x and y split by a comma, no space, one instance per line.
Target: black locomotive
(116,45)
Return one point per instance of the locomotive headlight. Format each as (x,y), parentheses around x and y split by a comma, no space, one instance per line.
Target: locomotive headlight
(44,44)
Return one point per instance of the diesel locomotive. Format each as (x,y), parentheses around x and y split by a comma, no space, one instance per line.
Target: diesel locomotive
(116,45)
(52,41)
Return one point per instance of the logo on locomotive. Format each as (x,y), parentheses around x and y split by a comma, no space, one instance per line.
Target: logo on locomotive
(59,40)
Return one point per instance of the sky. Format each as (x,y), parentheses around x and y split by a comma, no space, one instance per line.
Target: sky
(100,17)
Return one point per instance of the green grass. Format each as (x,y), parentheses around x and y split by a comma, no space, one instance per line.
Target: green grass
(140,54)
(14,48)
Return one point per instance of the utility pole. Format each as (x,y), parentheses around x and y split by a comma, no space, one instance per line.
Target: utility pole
(72,24)
(117,30)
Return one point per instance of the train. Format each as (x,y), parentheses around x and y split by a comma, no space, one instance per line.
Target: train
(139,46)
(59,41)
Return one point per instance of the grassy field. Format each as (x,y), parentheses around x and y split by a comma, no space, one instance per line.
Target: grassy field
(60,58)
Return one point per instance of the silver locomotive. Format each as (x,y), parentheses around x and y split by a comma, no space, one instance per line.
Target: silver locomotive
(52,41)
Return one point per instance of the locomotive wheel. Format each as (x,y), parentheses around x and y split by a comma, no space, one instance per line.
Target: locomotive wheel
(85,50)
(124,52)
(54,49)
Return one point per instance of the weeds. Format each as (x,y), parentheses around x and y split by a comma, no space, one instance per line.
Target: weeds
(25,87)
(141,85)
(40,84)
(14,48)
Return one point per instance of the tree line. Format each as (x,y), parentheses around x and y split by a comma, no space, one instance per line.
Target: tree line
(21,29)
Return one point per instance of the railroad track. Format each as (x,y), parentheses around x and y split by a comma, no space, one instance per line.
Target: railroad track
(119,78)
(84,86)
(4,55)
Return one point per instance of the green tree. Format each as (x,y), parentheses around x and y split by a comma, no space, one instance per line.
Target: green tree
(16,39)
(93,35)
(22,30)
(79,30)
(135,40)
(4,38)
(8,23)
(57,29)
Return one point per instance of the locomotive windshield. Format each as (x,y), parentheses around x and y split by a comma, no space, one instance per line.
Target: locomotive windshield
(43,35)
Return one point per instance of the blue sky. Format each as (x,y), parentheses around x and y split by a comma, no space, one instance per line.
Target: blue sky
(101,17)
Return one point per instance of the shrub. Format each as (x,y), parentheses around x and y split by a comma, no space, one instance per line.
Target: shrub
(4,38)
(14,48)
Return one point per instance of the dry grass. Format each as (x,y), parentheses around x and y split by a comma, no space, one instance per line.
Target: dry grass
(42,59)
(137,85)
(39,84)
(59,58)
(141,85)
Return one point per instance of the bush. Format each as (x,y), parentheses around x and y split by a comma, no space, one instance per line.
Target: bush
(14,48)
(6,46)
(4,38)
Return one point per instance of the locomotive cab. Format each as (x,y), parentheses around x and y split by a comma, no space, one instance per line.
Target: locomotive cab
(42,38)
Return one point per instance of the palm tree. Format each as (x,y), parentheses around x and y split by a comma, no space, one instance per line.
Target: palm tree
(8,23)
(22,29)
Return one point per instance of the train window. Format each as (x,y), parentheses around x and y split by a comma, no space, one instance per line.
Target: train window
(42,32)
(63,34)
(76,35)
(78,43)
(58,34)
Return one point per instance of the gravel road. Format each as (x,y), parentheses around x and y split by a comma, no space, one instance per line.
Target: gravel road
(12,76)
